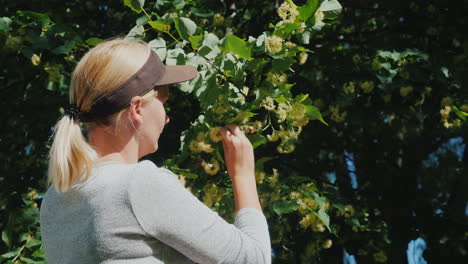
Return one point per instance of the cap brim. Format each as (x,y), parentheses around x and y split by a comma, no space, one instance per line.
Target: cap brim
(176,74)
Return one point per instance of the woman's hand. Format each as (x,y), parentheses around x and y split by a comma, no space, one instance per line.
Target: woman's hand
(238,153)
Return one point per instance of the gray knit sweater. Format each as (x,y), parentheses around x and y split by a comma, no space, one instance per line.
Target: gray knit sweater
(139,213)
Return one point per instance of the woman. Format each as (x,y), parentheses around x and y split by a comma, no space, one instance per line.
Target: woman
(105,206)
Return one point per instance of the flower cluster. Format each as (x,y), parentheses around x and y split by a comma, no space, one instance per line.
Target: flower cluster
(212,167)
(310,220)
(336,115)
(366,86)
(277,78)
(288,13)
(327,244)
(199,145)
(274,44)
(347,212)
(349,87)
(273,179)
(212,194)
(215,135)
(268,103)
(445,114)
(303,57)
(405,90)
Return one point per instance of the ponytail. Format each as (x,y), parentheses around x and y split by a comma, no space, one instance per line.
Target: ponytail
(70,157)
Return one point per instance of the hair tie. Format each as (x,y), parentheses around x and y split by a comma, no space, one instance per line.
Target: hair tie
(72,111)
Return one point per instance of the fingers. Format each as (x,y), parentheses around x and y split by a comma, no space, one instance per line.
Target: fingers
(235,130)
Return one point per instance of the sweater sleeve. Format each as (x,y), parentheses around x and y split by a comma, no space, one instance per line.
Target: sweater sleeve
(169,212)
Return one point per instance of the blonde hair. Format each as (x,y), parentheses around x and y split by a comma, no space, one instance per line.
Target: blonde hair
(100,71)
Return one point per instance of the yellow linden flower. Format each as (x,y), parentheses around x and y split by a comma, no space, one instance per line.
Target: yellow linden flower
(218,20)
(318,227)
(319,16)
(306,204)
(199,145)
(274,44)
(445,112)
(457,122)
(274,178)
(287,13)
(268,103)
(277,79)
(297,111)
(336,115)
(307,221)
(285,148)
(215,136)
(303,58)
(349,87)
(282,111)
(212,167)
(259,176)
(273,137)
(212,194)
(327,244)
(446,101)
(289,45)
(35,60)
(404,91)
(348,211)
(367,86)
(380,257)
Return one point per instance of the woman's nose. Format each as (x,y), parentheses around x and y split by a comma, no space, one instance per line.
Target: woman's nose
(167,119)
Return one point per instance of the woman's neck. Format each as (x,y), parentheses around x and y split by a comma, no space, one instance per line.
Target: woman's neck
(111,147)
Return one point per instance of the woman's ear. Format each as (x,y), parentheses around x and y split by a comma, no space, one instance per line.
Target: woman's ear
(135,110)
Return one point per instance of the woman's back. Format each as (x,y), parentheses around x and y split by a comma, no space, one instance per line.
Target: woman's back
(131,213)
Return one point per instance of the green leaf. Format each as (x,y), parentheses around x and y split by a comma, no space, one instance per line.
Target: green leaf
(304,38)
(204,51)
(159,25)
(241,116)
(137,32)
(179,4)
(43,18)
(93,41)
(199,13)
(300,98)
(64,49)
(314,113)
(185,27)
(135,5)
(184,172)
(196,41)
(237,46)
(308,10)
(281,99)
(28,260)
(6,237)
(10,254)
(285,30)
(142,20)
(285,207)
(257,140)
(32,243)
(158,45)
(260,163)
(330,8)
(282,64)
(459,113)
(5,23)
(324,217)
